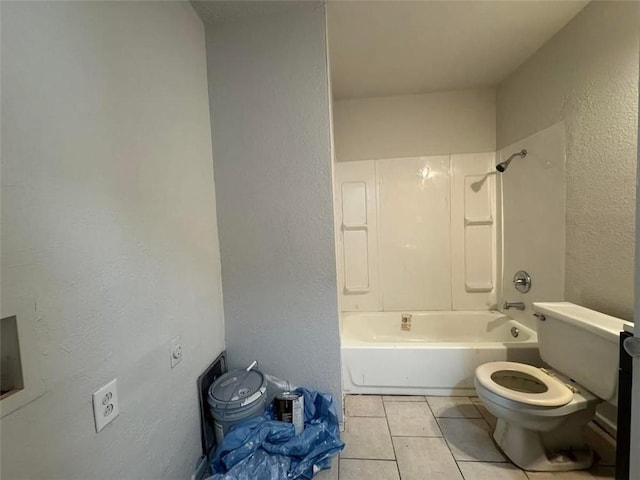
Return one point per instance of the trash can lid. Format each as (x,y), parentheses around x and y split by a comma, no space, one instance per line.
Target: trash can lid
(237,389)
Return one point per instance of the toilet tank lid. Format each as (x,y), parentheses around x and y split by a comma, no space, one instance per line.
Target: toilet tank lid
(598,323)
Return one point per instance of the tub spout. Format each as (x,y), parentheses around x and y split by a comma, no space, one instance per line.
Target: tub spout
(516,305)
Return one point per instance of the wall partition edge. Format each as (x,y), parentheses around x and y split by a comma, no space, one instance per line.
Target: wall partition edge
(269,95)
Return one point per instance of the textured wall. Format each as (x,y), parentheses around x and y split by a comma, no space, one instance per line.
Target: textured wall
(587,75)
(270,120)
(109,242)
(635,419)
(439,123)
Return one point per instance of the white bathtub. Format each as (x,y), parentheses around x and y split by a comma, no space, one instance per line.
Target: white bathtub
(438,356)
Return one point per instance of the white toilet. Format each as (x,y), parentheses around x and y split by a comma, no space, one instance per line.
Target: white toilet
(542,412)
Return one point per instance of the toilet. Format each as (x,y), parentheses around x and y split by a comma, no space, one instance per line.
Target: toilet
(542,412)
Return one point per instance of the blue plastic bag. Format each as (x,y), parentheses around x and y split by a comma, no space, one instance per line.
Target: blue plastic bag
(264,449)
(260,465)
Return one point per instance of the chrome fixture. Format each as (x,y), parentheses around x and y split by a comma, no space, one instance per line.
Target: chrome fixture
(516,305)
(522,281)
(502,166)
(515,332)
(405,322)
(632,346)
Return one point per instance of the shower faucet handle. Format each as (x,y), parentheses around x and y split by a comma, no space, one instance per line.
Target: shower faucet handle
(522,281)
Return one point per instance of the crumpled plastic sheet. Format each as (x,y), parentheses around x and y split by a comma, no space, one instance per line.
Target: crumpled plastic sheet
(261,448)
(258,465)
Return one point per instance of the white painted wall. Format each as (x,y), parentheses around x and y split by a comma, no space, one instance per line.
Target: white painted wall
(109,241)
(268,84)
(441,123)
(587,76)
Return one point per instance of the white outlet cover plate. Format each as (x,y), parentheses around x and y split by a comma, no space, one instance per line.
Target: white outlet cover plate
(105,404)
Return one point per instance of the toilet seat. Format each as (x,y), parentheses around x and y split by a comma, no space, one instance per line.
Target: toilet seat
(530,385)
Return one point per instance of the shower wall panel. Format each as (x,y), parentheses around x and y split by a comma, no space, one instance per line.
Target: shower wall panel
(415,234)
(534,219)
(356,231)
(473,259)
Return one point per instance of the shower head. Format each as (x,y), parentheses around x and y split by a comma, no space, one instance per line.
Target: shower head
(502,166)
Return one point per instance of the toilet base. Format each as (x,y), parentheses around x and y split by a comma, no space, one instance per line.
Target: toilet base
(526,449)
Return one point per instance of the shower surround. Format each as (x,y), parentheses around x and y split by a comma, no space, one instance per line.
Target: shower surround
(437,239)
(417,233)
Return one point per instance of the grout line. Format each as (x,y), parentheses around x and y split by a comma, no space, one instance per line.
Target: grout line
(368,458)
(397,468)
(487,461)
(395,456)
(372,459)
(365,416)
(457,464)
(463,418)
(403,401)
(435,418)
(417,436)
(446,442)
(386,419)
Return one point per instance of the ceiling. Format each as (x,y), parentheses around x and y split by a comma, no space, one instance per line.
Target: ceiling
(400,47)
(213,12)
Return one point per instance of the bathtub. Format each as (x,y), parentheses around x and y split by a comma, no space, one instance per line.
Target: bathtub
(437,356)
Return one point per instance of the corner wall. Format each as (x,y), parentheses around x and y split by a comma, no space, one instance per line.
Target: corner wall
(268,86)
(587,76)
(109,238)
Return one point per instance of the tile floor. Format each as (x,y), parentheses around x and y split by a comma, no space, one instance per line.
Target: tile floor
(436,438)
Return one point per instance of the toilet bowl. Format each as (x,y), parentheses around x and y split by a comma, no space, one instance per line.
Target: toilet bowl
(542,413)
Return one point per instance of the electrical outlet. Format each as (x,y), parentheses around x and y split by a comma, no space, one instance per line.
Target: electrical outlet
(105,405)
(176,351)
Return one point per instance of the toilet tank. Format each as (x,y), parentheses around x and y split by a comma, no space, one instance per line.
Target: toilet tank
(582,344)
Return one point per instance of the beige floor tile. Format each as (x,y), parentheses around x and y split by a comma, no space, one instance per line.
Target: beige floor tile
(367,438)
(332,473)
(364,406)
(470,439)
(490,471)
(486,414)
(411,419)
(351,469)
(403,398)
(425,458)
(453,407)
(598,472)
